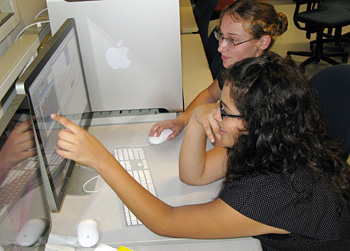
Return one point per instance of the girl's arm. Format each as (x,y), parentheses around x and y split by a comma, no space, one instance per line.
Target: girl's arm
(211,220)
(209,95)
(197,166)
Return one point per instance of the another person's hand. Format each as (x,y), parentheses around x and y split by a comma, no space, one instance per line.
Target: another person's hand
(177,125)
(204,114)
(19,145)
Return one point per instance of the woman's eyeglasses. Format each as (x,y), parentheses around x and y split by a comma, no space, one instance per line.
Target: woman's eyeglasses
(231,43)
(224,114)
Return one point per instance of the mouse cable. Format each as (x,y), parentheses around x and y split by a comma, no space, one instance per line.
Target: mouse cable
(95,177)
(87,182)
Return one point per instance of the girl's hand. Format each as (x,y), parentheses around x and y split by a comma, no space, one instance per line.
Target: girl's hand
(204,114)
(77,144)
(176,125)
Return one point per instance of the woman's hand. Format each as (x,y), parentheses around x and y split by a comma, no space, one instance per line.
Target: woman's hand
(176,125)
(77,144)
(209,95)
(204,114)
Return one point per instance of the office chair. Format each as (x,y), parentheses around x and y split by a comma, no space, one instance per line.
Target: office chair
(333,88)
(216,65)
(213,56)
(315,20)
(211,48)
(338,38)
(203,11)
(342,4)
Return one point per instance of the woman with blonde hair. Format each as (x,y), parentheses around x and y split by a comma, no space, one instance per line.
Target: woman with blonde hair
(247,28)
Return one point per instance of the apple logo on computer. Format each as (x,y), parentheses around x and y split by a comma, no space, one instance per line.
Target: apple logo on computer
(117,57)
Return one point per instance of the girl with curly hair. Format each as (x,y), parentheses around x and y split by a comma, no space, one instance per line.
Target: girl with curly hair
(285,181)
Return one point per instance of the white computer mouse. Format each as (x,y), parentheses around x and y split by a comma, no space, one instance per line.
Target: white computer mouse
(154,140)
(88,233)
(31,232)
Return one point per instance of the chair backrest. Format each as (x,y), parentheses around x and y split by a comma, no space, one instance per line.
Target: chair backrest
(203,11)
(333,87)
(213,56)
(301,6)
(342,4)
(211,47)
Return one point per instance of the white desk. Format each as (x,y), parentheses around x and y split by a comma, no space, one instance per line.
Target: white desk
(188,22)
(196,75)
(106,208)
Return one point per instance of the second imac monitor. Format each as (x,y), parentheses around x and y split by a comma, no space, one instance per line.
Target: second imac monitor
(131,51)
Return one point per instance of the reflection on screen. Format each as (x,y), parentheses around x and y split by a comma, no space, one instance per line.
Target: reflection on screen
(18,162)
(21,194)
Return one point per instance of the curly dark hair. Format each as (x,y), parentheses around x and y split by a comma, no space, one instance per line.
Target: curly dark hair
(285,132)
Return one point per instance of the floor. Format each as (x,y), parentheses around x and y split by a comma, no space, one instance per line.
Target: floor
(295,40)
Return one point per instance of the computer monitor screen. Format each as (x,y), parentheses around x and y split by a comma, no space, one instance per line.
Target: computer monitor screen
(22,198)
(55,83)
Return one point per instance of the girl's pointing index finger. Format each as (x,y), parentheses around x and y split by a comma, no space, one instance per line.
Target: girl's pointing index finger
(69,125)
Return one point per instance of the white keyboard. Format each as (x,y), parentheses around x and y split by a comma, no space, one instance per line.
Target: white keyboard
(134,161)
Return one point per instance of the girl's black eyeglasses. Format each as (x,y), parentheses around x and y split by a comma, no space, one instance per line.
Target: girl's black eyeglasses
(224,114)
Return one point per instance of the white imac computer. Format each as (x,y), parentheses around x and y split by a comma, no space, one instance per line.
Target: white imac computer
(131,51)
(23,204)
(55,83)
